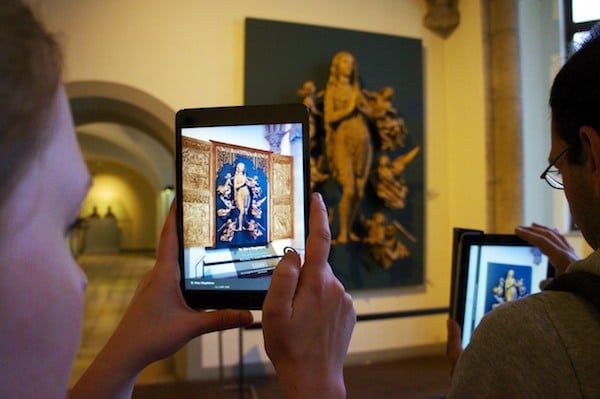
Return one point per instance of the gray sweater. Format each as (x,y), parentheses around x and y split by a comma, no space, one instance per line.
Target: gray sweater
(546,345)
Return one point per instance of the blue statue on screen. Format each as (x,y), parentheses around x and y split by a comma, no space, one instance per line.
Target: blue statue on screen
(241,196)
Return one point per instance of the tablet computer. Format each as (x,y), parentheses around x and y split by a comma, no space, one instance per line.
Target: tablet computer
(493,269)
(242,199)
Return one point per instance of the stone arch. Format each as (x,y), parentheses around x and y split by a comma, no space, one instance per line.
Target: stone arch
(101,101)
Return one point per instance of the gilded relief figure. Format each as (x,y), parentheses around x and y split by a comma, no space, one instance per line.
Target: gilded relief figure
(391,127)
(348,143)
(310,97)
(382,237)
(356,138)
(316,173)
(388,181)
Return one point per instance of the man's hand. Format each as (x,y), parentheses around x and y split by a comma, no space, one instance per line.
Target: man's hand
(553,244)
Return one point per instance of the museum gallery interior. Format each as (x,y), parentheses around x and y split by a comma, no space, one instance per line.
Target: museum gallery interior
(447,129)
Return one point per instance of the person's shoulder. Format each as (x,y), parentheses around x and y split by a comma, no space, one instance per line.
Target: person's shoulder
(521,336)
(546,318)
(565,305)
(575,319)
(563,321)
(544,307)
(512,318)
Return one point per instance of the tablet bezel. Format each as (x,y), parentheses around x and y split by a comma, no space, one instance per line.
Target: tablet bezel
(232,116)
(457,235)
(460,278)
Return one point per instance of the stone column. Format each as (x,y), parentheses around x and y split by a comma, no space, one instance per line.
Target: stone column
(504,138)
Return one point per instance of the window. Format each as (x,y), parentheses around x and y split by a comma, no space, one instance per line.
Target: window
(579,17)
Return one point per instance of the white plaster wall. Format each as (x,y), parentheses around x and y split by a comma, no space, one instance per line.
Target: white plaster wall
(190,53)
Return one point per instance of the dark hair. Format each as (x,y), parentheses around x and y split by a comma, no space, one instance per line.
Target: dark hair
(575,94)
(30,69)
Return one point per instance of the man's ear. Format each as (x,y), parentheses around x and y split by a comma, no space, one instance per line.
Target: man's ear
(590,143)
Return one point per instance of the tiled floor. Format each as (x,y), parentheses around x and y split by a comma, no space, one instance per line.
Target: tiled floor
(112,280)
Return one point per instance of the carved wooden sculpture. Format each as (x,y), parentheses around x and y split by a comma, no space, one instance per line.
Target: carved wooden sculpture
(347,137)
(348,125)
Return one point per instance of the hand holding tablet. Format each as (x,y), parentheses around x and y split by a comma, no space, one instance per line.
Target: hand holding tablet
(560,253)
(308,317)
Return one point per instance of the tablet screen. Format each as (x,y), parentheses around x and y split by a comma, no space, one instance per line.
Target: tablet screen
(497,269)
(242,183)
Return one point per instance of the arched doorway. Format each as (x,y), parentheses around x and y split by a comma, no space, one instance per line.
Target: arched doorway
(101,102)
(98,101)
(128,142)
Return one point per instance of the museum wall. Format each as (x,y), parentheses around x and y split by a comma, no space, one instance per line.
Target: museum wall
(190,53)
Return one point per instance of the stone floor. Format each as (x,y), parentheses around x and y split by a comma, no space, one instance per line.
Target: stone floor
(112,280)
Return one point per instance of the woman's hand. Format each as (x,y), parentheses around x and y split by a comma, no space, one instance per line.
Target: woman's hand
(156,324)
(308,318)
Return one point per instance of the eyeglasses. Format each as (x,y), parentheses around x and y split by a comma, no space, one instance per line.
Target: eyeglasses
(553,176)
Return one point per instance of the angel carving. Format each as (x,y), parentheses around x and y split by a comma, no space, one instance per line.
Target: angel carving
(388,181)
(382,237)
(391,128)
